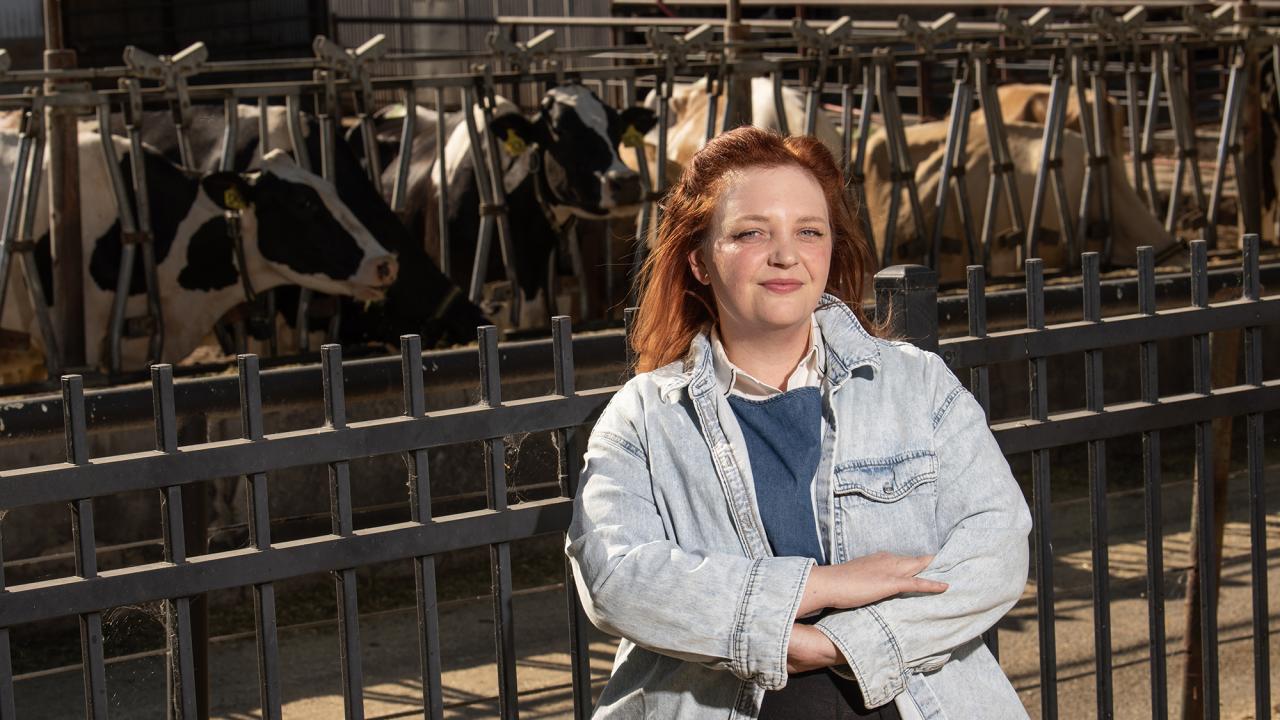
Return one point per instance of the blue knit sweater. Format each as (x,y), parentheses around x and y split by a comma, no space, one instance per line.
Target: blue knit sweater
(784,444)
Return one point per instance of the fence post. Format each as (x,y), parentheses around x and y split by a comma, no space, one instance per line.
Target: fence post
(907,297)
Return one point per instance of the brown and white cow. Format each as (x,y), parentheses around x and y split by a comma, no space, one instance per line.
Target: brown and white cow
(687,122)
(294,227)
(1132,224)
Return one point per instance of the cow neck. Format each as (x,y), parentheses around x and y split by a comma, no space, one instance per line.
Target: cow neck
(542,191)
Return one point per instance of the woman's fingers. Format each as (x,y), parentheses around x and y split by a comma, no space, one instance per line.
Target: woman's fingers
(921,585)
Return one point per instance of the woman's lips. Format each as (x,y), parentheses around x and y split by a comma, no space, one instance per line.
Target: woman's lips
(782,286)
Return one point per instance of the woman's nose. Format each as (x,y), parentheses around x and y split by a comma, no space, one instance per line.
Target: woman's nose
(784,251)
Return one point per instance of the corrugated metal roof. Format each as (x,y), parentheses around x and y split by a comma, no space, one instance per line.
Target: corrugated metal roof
(21,19)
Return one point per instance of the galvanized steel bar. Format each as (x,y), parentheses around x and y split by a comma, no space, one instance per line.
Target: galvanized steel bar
(952,175)
(779,105)
(424,566)
(409,99)
(128,229)
(259,512)
(1149,381)
(230,133)
(340,513)
(1147,155)
(1228,147)
(85,551)
(499,553)
(264,130)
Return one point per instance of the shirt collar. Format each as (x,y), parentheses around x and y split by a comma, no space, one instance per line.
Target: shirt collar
(848,346)
(730,377)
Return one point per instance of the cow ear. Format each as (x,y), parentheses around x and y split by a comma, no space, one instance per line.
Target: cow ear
(635,122)
(228,189)
(516,133)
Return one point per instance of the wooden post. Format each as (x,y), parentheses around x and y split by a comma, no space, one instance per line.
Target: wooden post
(64,200)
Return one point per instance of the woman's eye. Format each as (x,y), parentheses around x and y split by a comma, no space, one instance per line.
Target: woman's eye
(812,233)
(747,235)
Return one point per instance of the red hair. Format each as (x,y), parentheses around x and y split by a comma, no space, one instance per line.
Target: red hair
(674,306)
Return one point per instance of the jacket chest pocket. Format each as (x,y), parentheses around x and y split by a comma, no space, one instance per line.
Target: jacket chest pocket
(886,504)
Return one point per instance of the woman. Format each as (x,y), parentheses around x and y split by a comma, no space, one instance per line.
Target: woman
(783,515)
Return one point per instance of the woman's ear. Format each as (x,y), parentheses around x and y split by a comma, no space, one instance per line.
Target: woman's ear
(696,266)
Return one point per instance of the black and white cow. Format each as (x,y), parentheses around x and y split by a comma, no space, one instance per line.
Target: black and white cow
(560,164)
(295,230)
(421,301)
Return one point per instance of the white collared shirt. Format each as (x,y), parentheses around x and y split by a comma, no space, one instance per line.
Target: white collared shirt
(732,379)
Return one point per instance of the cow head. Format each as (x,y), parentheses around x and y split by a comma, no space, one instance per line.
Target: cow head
(302,230)
(576,137)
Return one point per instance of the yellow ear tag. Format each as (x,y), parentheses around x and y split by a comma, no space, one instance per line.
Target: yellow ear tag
(232,199)
(632,137)
(514,143)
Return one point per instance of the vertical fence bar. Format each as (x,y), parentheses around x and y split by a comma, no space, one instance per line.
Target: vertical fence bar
(1098,526)
(979,382)
(1038,384)
(979,377)
(8,707)
(424,566)
(568,462)
(499,553)
(629,317)
(1148,359)
(340,516)
(180,682)
(1205,553)
(264,594)
(1257,494)
(82,541)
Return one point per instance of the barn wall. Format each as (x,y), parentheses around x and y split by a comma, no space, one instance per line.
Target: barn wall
(459,37)
(21,19)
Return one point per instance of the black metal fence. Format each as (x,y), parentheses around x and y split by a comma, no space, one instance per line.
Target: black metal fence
(910,291)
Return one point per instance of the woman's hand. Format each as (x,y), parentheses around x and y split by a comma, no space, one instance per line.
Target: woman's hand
(864,581)
(810,649)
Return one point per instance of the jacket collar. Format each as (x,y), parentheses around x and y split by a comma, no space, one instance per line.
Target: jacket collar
(848,346)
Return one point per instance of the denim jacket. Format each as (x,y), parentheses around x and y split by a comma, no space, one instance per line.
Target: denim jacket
(669,552)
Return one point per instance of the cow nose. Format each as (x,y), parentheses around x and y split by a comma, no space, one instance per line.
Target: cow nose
(623,186)
(386,271)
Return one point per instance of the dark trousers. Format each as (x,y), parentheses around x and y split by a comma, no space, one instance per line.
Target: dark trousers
(820,695)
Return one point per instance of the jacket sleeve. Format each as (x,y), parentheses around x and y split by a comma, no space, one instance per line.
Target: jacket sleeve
(723,610)
(983,521)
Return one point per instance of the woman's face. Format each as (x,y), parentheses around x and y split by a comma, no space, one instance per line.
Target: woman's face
(768,251)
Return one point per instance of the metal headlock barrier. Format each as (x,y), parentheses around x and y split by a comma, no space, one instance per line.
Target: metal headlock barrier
(854,61)
(909,291)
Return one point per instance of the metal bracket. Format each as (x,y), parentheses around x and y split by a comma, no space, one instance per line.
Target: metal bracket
(1123,28)
(1208,24)
(820,40)
(1024,32)
(521,56)
(928,35)
(171,70)
(675,49)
